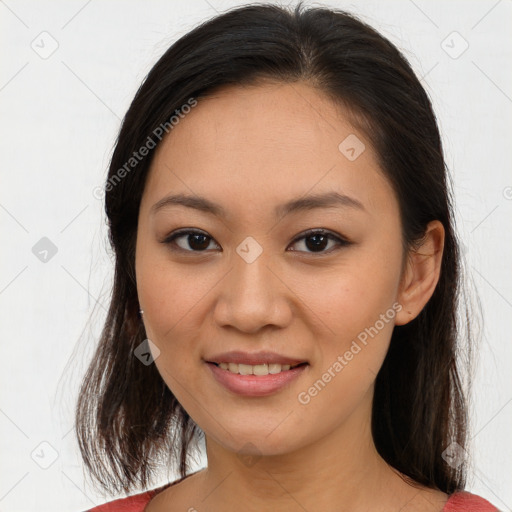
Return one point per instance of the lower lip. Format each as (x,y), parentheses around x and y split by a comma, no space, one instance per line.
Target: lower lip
(255,385)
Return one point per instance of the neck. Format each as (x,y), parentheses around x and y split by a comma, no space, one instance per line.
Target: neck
(341,471)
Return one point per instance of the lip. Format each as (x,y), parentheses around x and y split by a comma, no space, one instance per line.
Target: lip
(254,358)
(255,385)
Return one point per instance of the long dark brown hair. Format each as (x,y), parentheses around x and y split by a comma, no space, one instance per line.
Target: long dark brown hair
(127,419)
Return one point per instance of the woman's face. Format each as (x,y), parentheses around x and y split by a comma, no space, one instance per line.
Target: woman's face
(256,281)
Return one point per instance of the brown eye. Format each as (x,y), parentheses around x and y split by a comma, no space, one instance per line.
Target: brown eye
(319,241)
(316,241)
(189,240)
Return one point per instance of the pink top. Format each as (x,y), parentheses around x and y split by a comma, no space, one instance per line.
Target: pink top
(461,501)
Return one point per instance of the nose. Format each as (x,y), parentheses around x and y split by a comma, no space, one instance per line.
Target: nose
(253,296)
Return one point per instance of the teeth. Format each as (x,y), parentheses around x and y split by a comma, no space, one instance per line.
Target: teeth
(276,368)
(245,369)
(257,369)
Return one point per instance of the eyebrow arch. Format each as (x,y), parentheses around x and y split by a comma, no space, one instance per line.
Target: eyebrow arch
(325,200)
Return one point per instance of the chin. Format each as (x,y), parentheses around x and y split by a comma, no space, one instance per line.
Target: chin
(257,442)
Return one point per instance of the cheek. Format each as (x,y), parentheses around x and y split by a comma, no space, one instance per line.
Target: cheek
(351,297)
(171,321)
(176,299)
(170,316)
(356,304)
(350,356)
(168,293)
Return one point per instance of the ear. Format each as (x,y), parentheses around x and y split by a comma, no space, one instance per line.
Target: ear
(423,268)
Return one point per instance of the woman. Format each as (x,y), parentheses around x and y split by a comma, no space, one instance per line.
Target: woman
(286,279)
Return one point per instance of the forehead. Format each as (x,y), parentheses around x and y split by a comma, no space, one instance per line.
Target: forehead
(267,142)
(269,118)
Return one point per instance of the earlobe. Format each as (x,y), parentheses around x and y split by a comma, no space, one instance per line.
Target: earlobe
(421,274)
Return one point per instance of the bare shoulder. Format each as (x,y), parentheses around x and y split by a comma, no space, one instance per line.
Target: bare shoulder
(185,495)
(426,500)
(181,495)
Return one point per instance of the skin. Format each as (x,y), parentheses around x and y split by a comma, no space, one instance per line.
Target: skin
(250,149)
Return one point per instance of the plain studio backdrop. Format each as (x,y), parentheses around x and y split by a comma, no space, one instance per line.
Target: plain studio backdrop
(68,73)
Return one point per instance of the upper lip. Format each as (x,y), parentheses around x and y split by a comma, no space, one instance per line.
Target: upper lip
(253,358)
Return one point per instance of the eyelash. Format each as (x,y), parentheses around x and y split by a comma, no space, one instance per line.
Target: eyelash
(342,242)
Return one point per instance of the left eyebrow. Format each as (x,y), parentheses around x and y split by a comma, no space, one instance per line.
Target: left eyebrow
(325,200)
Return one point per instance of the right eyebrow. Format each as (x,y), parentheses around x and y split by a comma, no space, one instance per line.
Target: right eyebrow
(325,200)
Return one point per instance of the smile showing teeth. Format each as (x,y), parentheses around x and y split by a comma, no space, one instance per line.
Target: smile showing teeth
(255,380)
(258,369)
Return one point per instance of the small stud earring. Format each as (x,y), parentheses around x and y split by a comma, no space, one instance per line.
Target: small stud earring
(141,312)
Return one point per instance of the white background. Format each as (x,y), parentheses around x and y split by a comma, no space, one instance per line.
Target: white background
(59,119)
